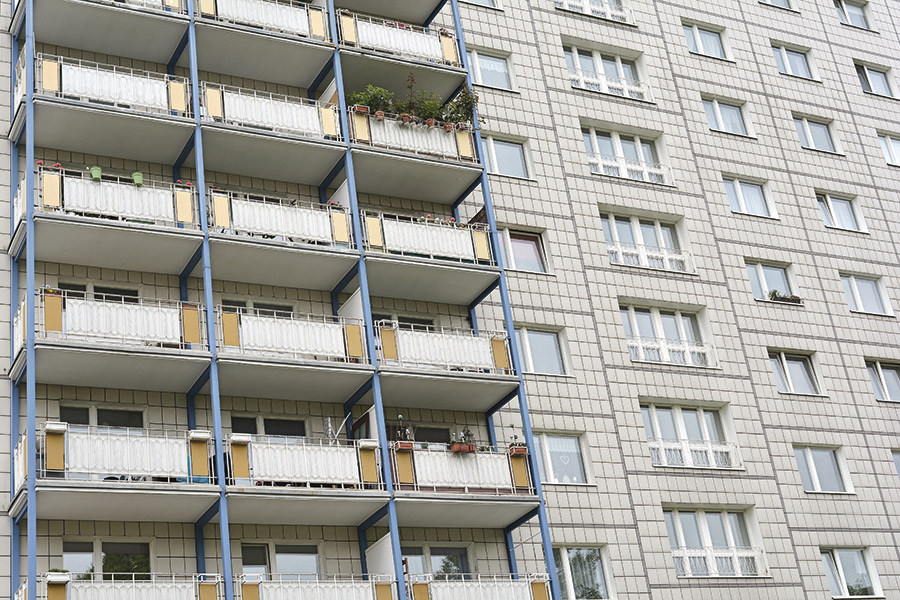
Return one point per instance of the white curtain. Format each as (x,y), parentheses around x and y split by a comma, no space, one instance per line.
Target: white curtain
(315,590)
(131,590)
(451,242)
(132,323)
(118,87)
(480,590)
(273,335)
(416,138)
(402,41)
(278,219)
(21,467)
(296,117)
(126,453)
(271,15)
(448,469)
(296,461)
(118,199)
(444,349)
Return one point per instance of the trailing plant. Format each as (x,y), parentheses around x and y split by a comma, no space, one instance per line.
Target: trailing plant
(462,107)
(376,98)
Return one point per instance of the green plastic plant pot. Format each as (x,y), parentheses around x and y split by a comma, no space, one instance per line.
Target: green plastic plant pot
(138,178)
(96,173)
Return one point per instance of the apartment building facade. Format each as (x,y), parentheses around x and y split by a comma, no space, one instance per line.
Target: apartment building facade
(628,331)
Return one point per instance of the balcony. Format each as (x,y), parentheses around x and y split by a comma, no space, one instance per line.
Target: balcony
(133,586)
(698,454)
(628,168)
(303,587)
(475,586)
(718,561)
(302,244)
(154,227)
(437,367)
(102,109)
(422,258)
(338,479)
(671,351)
(106,473)
(114,342)
(615,86)
(269,136)
(611,10)
(650,257)
(414,161)
(273,356)
(456,485)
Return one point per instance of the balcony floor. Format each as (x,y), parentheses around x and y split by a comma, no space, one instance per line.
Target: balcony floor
(302,506)
(85,241)
(440,390)
(407,11)
(362,67)
(427,280)
(415,509)
(258,377)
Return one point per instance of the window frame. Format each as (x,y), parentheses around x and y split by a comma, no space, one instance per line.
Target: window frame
(698,40)
(544,458)
(805,121)
(742,203)
(721,414)
(647,167)
(638,234)
(784,49)
(854,206)
(491,157)
(706,538)
(92,412)
(260,420)
(720,122)
(846,15)
(839,460)
(427,547)
(640,75)
(271,543)
(866,69)
(474,56)
(521,333)
(97,545)
(879,366)
(702,342)
(506,234)
(814,370)
(566,567)
(857,297)
(870,568)
(764,284)
(890,145)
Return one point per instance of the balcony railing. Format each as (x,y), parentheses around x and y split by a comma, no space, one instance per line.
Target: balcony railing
(694,453)
(408,41)
(437,239)
(256,109)
(114,197)
(460,468)
(477,586)
(130,586)
(118,320)
(309,586)
(443,348)
(292,18)
(650,257)
(718,561)
(611,10)
(627,168)
(617,86)
(294,336)
(301,461)
(283,219)
(676,352)
(392,132)
(76,452)
(19,90)
(111,85)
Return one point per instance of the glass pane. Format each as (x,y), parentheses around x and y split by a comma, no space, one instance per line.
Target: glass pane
(670,326)
(494,71)
(863,78)
(857,15)
(800,371)
(896,456)
(870,294)
(565,459)
(886,148)
(709,107)
(839,6)
(716,523)
(243,425)
(755,283)
(831,574)
(876,381)
(827,470)
(731,192)
(799,124)
(691,418)
(539,450)
(561,574)
(510,157)
(739,530)
(545,354)
(778,371)
(254,559)
(586,63)
(610,68)
(666,419)
(624,230)
(526,251)
(587,573)
(803,467)
(629,70)
(821,136)
(856,573)
(892,380)
(120,418)
(843,213)
(776,279)
(691,328)
(669,236)
(648,233)
(670,528)
(607,230)
(644,323)
(415,559)
(847,284)
(75,415)
(126,557)
(712,43)
(754,198)
(732,118)
(629,149)
(799,65)
(78,557)
(626,322)
(286,427)
(690,39)
(826,212)
(690,529)
(648,422)
(895,148)
(779,60)
(449,561)
(648,151)
(714,426)
(605,144)
(588,141)
(302,561)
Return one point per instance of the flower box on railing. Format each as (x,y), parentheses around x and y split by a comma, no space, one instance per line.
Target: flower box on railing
(404,446)
(518,450)
(461,448)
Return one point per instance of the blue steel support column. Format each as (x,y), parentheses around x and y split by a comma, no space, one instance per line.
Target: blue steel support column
(394,530)
(215,408)
(14,552)
(510,327)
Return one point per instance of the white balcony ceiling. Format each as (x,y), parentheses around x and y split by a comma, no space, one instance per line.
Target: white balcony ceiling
(427,280)
(451,391)
(389,173)
(302,506)
(407,11)
(392,73)
(461,510)
(289,380)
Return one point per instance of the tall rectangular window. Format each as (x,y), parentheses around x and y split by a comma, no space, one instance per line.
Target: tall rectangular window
(490,70)
(814,135)
(506,157)
(559,458)
(891,146)
(794,373)
(711,543)
(747,197)
(792,62)
(820,469)
(724,116)
(839,212)
(885,379)
(864,294)
(852,13)
(581,573)
(541,351)
(874,80)
(701,40)
(770,282)
(848,573)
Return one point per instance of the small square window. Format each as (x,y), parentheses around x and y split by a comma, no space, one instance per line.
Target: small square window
(770,282)
(814,135)
(890,145)
(581,573)
(722,116)
(794,373)
(848,573)
(747,197)
(838,212)
(820,469)
(541,351)
(852,13)
(526,252)
(885,379)
(864,294)
(792,62)
(704,41)
(874,80)
(559,458)
(490,70)
(506,158)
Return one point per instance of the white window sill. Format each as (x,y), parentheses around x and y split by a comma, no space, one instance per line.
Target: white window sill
(655,270)
(607,94)
(836,228)
(670,364)
(555,375)
(575,485)
(494,88)
(790,9)
(873,314)
(608,20)
(514,177)
(858,28)
(800,77)
(857,597)
(828,493)
(701,468)
(778,302)
(640,181)
(717,577)
(829,152)
(466,2)
(746,214)
(889,400)
(746,136)
(516,271)
(804,395)
(877,95)
(725,59)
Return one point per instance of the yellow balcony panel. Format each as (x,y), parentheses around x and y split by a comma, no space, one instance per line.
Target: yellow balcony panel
(410,11)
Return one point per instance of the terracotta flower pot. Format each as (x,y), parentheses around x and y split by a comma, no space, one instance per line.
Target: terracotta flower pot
(405,118)
(403,446)
(379,115)
(448,127)
(430,122)
(462,448)
(361,109)
(518,450)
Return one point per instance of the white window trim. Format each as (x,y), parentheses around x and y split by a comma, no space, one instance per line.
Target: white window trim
(492,158)
(660,167)
(698,41)
(809,136)
(703,528)
(854,205)
(761,277)
(817,380)
(604,568)
(508,253)
(680,253)
(783,49)
(641,82)
(497,4)
(720,122)
(878,364)
(736,182)
(525,351)
(427,548)
(789,7)
(885,300)
(270,544)
(865,7)
(681,430)
(843,470)
(664,342)
(475,68)
(870,567)
(886,71)
(548,465)
(887,145)
(98,548)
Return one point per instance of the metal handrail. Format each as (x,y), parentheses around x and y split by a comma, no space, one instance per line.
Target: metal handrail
(627,168)
(693,453)
(603,9)
(275,22)
(148,586)
(378,241)
(617,86)
(650,257)
(714,561)
(676,352)
(474,579)
(346,19)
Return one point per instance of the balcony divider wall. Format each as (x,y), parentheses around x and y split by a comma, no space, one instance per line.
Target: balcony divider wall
(24,42)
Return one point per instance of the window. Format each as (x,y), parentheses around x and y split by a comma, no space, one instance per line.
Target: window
(820,470)
(540,351)
(114,294)
(814,135)
(559,458)
(864,294)
(131,559)
(722,116)
(297,562)
(448,563)
(581,573)
(490,70)
(648,243)
(523,251)
(431,435)
(852,13)
(686,437)
(267,426)
(885,380)
(849,573)
(748,197)
(792,62)
(624,155)
(891,147)
(491,3)
(78,557)
(101,417)
(778,3)
(711,543)
(704,41)
(506,158)
(268,309)
(874,80)
(896,455)
(770,282)
(605,72)
(839,212)
(255,560)
(668,336)
(794,373)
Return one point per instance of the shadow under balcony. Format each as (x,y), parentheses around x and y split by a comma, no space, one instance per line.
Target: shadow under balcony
(443,368)
(410,11)
(113,342)
(107,110)
(290,356)
(433,260)
(153,227)
(461,485)
(338,480)
(118,474)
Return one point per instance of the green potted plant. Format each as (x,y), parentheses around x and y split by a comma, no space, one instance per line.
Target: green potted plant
(372,98)
(96,172)
(464,443)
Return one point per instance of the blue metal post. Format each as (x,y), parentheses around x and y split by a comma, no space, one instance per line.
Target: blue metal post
(510,326)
